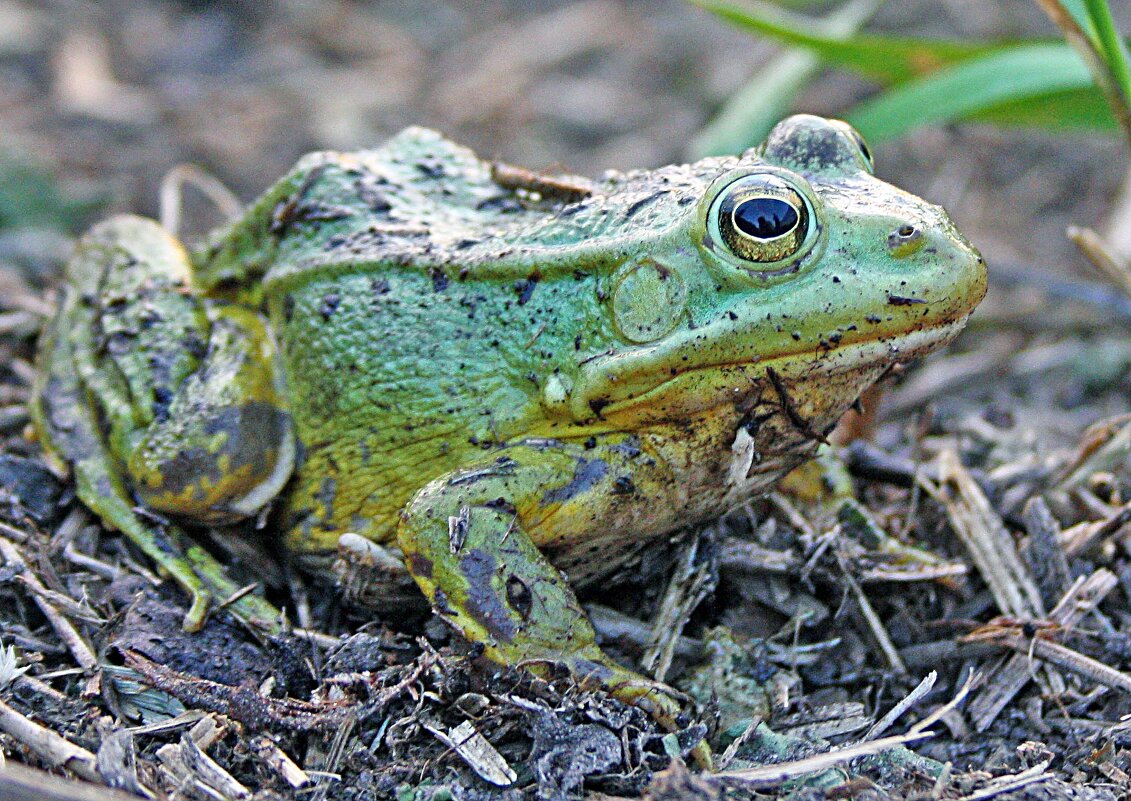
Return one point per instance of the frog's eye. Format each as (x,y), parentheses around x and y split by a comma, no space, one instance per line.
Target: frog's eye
(865,151)
(862,148)
(761,218)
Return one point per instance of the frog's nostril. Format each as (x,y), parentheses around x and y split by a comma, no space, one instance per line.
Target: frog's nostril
(905,240)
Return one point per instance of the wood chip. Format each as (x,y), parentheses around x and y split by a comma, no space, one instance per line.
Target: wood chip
(473,748)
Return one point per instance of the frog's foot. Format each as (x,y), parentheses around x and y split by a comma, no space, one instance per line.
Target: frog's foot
(466,544)
(160,401)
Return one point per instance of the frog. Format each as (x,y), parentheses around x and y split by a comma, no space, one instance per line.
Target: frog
(493,387)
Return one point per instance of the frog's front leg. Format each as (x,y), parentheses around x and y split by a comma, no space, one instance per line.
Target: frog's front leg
(469,540)
(162,400)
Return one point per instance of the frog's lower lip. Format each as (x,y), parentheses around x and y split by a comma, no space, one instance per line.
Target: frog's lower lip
(865,355)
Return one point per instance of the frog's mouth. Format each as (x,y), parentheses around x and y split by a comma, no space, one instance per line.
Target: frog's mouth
(819,383)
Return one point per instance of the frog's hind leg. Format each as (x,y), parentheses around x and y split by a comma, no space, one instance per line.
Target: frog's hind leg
(154,396)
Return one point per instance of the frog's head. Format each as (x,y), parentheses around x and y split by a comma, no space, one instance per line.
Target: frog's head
(797,275)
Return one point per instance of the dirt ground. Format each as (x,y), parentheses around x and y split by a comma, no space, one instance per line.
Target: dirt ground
(833,613)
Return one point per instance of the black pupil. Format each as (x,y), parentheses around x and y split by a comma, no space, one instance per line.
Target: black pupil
(765,217)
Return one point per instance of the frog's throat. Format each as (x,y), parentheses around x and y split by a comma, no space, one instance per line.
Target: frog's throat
(617,383)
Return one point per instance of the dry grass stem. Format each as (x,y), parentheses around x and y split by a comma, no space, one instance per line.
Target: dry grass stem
(983,533)
(765,777)
(76,644)
(56,751)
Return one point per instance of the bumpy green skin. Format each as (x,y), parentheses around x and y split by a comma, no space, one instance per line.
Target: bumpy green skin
(497,381)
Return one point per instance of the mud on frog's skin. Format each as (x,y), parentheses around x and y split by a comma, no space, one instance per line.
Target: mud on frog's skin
(495,378)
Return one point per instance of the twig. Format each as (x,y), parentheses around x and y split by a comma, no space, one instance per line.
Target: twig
(1006,784)
(1014,674)
(1079,538)
(984,536)
(276,759)
(53,749)
(908,701)
(695,577)
(82,652)
(769,776)
(205,769)
(875,625)
(1069,659)
(21,783)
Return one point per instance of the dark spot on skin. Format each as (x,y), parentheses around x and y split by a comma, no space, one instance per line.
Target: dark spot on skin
(590,443)
(623,486)
(440,603)
(519,597)
(483,603)
(119,343)
(896,300)
(796,336)
(501,505)
(286,211)
(252,429)
(586,475)
(431,168)
(380,286)
(326,494)
(368,193)
(329,305)
(464,244)
(501,204)
(874,319)
(420,565)
(753,423)
(597,404)
(524,288)
(162,397)
(630,447)
(577,342)
(638,205)
(732,315)
(811,148)
(439,279)
(836,338)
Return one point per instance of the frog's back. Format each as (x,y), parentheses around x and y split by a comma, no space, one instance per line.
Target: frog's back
(422,202)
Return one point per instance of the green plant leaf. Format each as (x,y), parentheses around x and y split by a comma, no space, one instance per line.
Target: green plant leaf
(1079,12)
(1108,43)
(885,59)
(1028,80)
(1083,110)
(752,110)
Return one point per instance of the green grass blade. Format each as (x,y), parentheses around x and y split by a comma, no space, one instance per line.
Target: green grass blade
(1028,74)
(1081,110)
(1110,45)
(750,112)
(1079,11)
(882,58)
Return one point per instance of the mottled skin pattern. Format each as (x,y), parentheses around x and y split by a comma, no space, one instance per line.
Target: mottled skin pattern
(496,378)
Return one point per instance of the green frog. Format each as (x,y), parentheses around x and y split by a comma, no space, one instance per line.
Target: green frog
(494,385)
